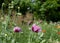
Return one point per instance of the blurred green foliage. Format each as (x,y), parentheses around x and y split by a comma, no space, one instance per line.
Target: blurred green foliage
(42,9)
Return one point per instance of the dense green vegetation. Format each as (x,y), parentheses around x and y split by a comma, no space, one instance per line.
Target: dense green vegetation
(50,33)
(44,9)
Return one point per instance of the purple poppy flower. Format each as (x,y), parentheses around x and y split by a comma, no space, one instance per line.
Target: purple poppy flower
(30,22)
(40,21)
(17,29)
(36,28)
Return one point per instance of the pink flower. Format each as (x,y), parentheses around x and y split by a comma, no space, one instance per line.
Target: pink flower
(40,21)
(36,28)
(17,29)
(30,22)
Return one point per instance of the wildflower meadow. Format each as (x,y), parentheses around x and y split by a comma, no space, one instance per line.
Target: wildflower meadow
(29,21)
(35,33)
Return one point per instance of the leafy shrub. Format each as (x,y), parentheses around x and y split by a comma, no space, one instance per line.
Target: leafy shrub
(42,9)
(1,3)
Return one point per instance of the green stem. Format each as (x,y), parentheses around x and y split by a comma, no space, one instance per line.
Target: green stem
(2,11)
(29,38)
(8,19)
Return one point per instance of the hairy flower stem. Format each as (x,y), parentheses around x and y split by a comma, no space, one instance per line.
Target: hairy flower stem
(2,11)
(29,38)
(8,19)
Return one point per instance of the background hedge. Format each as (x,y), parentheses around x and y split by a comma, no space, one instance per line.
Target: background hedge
(42,9)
